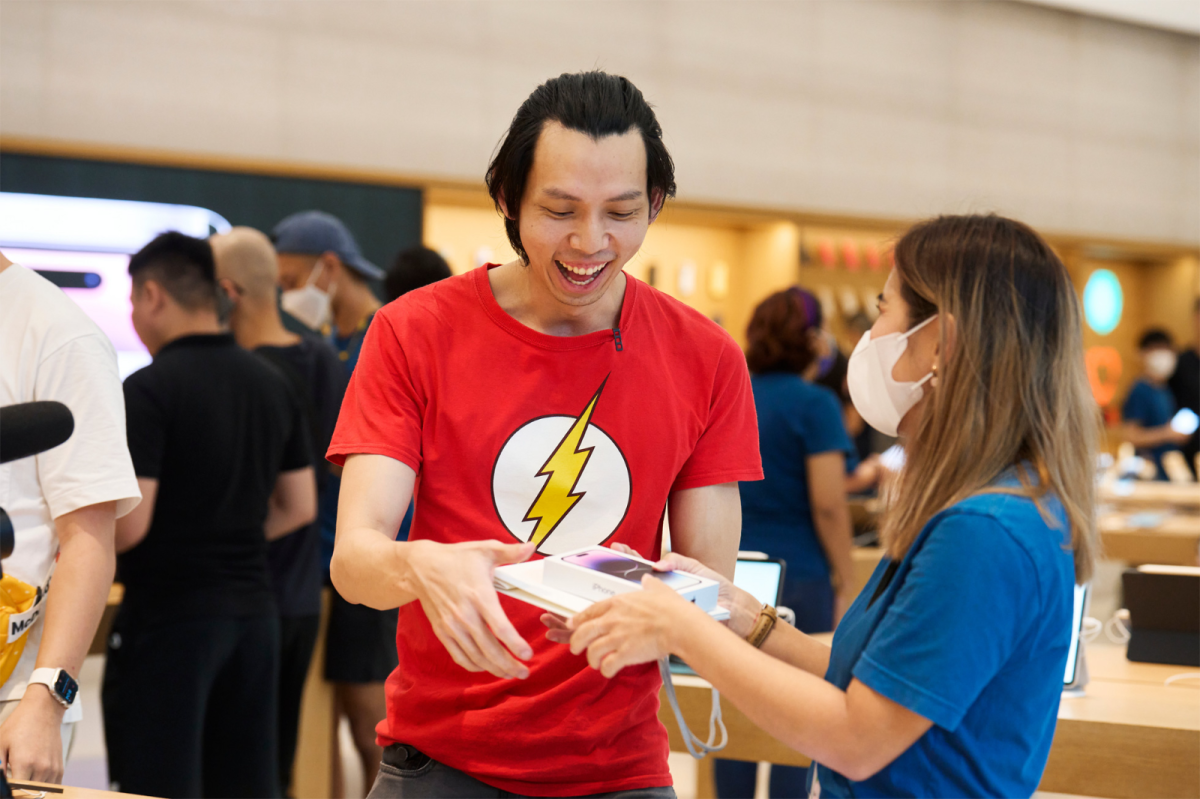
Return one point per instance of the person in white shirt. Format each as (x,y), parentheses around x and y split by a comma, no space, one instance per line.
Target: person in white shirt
(63,505)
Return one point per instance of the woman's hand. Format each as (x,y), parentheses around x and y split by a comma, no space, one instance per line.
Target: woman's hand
(742,606)
(630,628)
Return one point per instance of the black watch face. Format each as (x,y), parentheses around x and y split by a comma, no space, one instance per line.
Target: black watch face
(66,687)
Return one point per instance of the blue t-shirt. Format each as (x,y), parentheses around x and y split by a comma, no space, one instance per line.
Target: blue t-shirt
(796,419)
(1151,406)
(972,633)
(347,349)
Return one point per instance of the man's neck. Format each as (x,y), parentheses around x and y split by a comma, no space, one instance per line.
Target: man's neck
(351,306)
(516,292)
(200,324)
(260,326)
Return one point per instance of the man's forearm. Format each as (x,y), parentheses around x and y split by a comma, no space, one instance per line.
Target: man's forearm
(79,589)
(706,524)
(368,568)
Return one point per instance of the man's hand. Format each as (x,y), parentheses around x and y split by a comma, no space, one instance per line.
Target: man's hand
(453,582)
(31,738)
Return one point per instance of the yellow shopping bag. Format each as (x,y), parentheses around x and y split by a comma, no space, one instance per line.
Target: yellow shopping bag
(20,605)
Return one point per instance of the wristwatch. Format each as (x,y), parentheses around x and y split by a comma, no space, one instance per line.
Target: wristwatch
(62,685)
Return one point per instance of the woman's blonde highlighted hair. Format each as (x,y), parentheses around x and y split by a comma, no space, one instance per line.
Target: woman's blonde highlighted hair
(1014,388)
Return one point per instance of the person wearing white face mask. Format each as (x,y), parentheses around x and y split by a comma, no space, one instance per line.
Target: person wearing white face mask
(944,676)
(1148,409)
(325,286)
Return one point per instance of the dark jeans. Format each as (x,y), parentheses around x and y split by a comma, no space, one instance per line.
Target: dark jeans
(297,637)
(420,777)
(812,600)
(190,707)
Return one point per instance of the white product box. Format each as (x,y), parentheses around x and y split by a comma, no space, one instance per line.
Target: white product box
(596,573)
(526,582)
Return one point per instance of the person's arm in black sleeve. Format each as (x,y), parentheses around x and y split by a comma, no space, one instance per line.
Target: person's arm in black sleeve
(146,431)
(293,502)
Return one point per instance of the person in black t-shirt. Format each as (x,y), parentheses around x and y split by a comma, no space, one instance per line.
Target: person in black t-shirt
(1185,385)
(247,271)
(224,462)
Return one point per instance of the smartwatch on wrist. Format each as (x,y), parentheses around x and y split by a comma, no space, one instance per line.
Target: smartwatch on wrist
(62,685)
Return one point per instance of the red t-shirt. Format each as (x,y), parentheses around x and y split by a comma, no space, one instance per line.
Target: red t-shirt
(573,441)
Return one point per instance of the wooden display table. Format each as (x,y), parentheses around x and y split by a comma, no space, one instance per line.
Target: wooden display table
(1151,537)
(1129,735)
(1151,494)
(116,593)
(23,789)
(865,561)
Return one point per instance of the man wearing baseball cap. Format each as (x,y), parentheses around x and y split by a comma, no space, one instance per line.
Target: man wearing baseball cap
(325,286)
(324,277)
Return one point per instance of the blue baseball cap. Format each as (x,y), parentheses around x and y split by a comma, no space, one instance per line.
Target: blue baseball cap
(315,232)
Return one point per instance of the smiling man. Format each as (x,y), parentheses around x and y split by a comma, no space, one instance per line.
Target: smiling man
(540,406)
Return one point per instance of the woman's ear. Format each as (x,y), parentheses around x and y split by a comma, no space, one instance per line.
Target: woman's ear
(948,333)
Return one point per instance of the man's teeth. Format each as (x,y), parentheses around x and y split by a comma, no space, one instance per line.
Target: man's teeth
(585,271)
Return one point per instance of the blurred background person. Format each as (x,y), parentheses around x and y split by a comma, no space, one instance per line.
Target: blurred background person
(62,502)
(248,273)
(412,269)
(327,285)
(829,370)
(1148,409)
(798,512)
(1185,386)
(224,464)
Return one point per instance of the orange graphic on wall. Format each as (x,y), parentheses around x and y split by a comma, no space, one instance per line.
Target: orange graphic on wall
(1104,372)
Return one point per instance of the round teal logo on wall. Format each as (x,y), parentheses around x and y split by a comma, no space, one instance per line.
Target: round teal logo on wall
(1103,301)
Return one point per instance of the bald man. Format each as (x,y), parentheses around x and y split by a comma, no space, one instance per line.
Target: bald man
(247,270)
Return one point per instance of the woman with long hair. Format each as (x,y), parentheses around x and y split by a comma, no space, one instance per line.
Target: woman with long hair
(944,676)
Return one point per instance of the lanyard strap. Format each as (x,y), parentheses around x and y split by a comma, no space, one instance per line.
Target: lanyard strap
(716,724)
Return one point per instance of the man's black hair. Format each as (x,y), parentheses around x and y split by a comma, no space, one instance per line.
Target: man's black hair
(413,268)
(1155,337)
(182,265)
(594,103)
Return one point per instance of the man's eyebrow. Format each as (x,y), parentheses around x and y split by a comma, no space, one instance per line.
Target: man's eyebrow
(559,194)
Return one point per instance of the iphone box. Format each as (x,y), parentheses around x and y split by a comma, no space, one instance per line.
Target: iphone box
(596,573)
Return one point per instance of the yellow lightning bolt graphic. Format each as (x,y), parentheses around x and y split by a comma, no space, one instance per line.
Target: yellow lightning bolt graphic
(562,470)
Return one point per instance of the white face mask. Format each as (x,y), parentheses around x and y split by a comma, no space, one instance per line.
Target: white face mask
(1160,364)
(308,303)
(881,399)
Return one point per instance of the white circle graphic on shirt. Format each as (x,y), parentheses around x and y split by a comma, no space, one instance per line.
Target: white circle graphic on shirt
(562,494)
